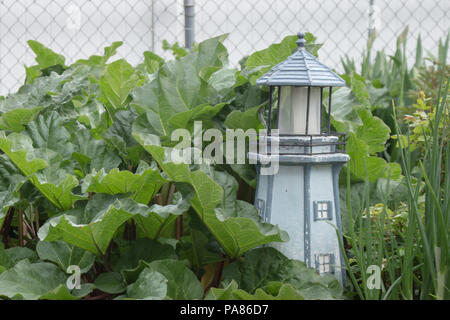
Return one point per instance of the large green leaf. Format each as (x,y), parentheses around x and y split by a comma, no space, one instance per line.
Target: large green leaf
(161,218)
(373,131)
(47,131)
(360,162)
(9,175)
(117,82)
(2,219)
(90,153)
(65,255)
(273,291)
(11,180)
(61,292)
(151,123)
(223,293)
(93,227)
(131,253)
(45,57)
(262,61)
(166,279)
(367,134)
(394,191)
(239,219)
(134,256)
(152,61)
(150,285)
(344,110)
(119,135)
(9,257)
(30,97)
(235,224)
(265,59)
(186,89)
(31,281)
(198,245)
(75,83)
(110,282)
(182,284)
(96,60)
(200,112)
(351,111)
(347,103)
(14,120)
(142,185)
(244,120)
(92,114)
(45,169)
(262,266)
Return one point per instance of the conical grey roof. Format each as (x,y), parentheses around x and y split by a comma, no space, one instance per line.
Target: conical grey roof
(301,69)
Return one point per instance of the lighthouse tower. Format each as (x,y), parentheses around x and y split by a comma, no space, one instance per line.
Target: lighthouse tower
(302,196)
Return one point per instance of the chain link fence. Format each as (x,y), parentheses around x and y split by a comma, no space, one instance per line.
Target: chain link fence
(79,28)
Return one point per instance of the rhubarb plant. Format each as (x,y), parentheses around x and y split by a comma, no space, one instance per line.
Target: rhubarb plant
(86,180)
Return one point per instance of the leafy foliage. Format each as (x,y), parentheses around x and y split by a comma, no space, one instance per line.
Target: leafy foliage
(31,280)
(86,180)
(87,176)
(397,222)
(269,269)
(65,255)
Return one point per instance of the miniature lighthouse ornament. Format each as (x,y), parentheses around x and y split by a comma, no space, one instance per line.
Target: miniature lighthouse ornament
(302,197)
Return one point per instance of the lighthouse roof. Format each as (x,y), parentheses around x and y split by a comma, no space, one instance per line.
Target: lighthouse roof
(301,69)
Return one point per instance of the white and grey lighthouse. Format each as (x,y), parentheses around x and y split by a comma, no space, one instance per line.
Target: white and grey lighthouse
(302,197)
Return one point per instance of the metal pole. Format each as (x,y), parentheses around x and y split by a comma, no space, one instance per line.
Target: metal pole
(269,116)
(307,111)
(189,20)
(329,110)
(371,18)
(321,107)
(278,107)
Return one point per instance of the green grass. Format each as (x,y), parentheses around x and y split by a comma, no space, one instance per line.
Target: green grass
(414,258)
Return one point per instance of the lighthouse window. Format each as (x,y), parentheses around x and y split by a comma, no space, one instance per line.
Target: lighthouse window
(322,210)
(324,263)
